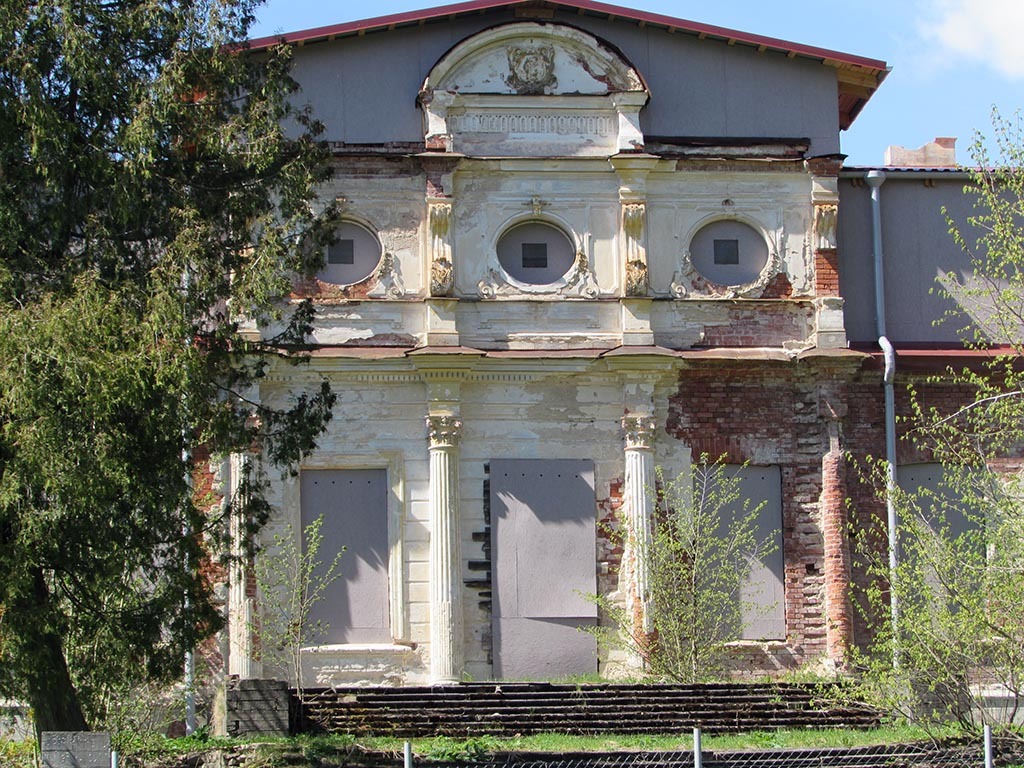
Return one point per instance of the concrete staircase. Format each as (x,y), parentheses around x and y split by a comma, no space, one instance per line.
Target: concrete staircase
(476,709)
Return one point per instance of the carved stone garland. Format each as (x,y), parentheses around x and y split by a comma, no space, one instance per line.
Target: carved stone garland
(825,226)
(389,279)
(442,271)
(633,222)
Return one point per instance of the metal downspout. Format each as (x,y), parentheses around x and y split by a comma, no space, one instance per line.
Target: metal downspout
(875,179)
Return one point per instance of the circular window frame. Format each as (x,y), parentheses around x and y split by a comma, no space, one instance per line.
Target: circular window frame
(553,222)
(372,232)
(753,287)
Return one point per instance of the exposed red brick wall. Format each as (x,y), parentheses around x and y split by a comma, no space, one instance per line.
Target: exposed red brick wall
(756,324)
(826,272)
(767,413)
(609,538)
(207,495)
(779,287)
(839,626)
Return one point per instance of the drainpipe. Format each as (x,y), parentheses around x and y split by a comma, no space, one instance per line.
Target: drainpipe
(875,179)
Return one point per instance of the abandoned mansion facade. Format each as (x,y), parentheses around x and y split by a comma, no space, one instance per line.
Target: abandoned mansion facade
(580,242)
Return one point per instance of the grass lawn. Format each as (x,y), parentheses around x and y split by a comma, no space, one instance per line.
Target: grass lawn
(350,750)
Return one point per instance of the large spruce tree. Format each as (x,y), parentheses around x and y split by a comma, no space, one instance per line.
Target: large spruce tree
(155,187)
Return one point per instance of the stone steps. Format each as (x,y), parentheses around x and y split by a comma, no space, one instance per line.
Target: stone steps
(523,708)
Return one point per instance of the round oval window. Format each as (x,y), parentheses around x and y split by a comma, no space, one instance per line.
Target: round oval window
(535,253)
(352,257)
(729,252)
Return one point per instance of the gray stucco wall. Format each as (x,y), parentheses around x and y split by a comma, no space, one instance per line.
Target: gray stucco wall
(917,248)
(364,88)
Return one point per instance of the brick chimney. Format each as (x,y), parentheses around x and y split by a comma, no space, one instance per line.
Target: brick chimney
(940,153)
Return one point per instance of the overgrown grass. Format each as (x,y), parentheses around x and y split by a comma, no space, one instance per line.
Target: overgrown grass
(17,754)
(312,749)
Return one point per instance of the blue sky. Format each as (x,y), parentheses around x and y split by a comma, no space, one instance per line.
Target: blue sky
(951,60)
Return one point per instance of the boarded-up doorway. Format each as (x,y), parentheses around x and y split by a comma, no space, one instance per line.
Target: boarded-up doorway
(353,503)
(543,550)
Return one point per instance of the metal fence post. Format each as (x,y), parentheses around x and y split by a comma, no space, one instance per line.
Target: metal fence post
(698,758)
(408,754)
(988,746)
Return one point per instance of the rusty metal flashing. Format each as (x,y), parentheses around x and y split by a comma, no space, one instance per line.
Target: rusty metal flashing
(626,350)
(934,358)
(359,353)
(736,354)
(438,350)
(836,354)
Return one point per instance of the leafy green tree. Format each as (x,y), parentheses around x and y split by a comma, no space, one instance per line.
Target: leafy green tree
(959,584)
(150,196)
(698,557)
(956,650)
(292,578)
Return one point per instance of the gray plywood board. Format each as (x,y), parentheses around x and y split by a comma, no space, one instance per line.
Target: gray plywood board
(763,594)
(353,503)
(941,509)
(542,649)
(543,548)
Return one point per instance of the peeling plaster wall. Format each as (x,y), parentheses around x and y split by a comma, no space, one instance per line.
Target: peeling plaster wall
(630,219)
(582,199)
(529,409)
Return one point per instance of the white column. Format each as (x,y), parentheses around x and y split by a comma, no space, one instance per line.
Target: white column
(240,604)
(639,498)
(445,555)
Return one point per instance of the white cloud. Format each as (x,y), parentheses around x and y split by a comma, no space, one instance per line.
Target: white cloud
(991,31)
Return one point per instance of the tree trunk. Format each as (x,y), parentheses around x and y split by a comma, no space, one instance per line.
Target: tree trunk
(51,692)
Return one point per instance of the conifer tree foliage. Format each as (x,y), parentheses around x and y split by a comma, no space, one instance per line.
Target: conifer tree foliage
(156,185)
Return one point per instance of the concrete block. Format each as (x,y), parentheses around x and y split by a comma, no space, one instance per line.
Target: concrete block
(75,749)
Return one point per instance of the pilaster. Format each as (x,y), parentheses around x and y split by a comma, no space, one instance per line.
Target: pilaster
(639,431)
(834,529)
(831,331)
(446,653)
(241,604)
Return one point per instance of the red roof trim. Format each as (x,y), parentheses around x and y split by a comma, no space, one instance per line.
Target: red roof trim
(411,17)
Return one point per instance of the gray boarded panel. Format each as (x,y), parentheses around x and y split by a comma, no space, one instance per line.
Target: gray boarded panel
(364,88)
(543,649)
(353,503)
(763,594)
(543,547)
(917,248)
(943,510)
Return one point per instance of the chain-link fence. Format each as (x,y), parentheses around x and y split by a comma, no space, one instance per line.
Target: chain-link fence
(980,753)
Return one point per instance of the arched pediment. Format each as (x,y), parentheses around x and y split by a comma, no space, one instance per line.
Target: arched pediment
(531,58)
(533,89)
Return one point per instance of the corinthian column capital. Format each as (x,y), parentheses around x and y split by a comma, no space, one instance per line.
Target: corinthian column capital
(639,432)
(444,431)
